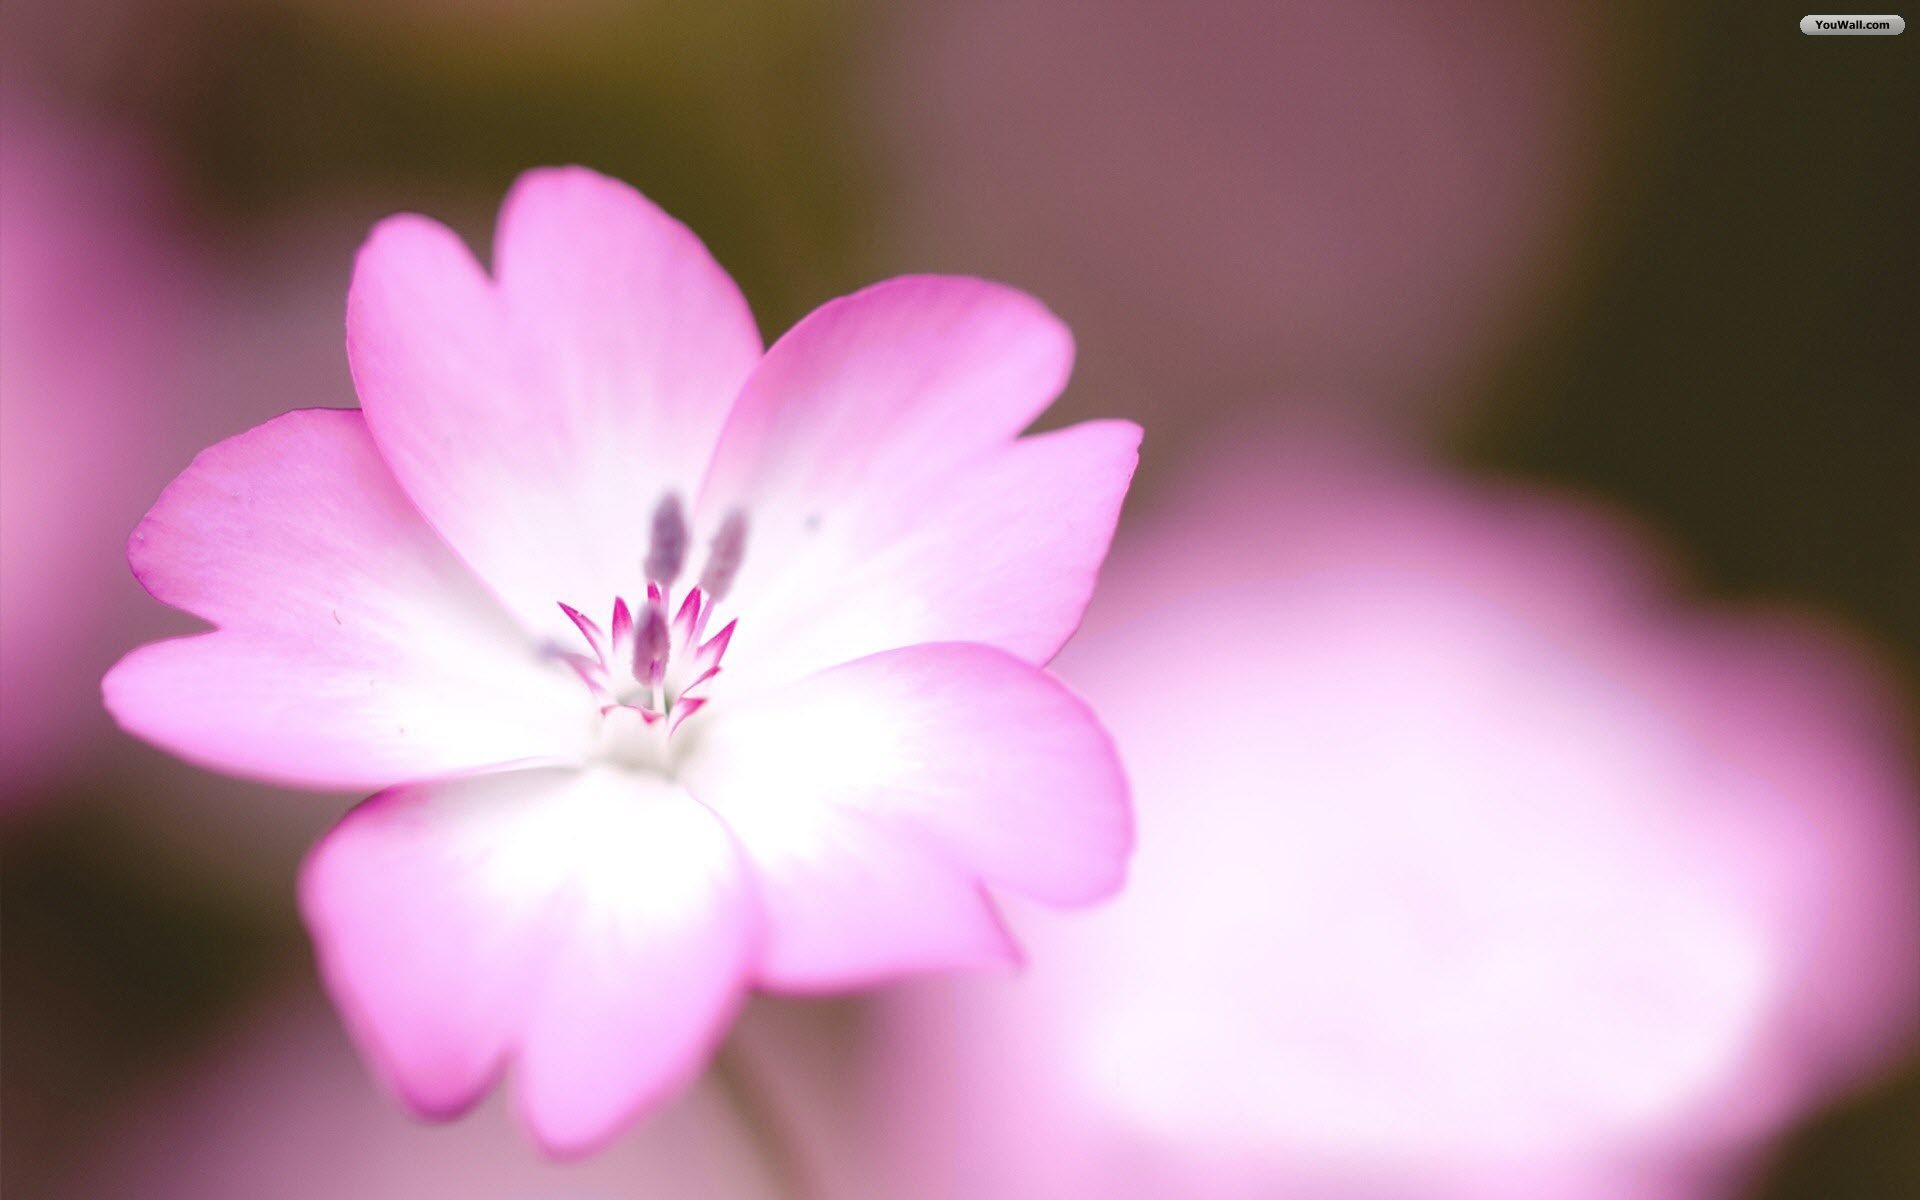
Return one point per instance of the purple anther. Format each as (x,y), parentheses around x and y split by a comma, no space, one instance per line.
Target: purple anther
(667,553)
(724,554)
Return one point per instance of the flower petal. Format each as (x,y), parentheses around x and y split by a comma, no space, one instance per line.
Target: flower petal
(594,927)
(889,405)
(537,421)
(911,375)
(353,648)
(876,784)
(854,899)
(1006,555)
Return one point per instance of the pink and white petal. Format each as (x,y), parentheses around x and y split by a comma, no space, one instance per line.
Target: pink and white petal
(431,913)
(649,967)
(353,649)
(868,407)
(595,928)
(899,380)
(852,898)
(640,320)
(1006,554)
(1003,769)
(537,420)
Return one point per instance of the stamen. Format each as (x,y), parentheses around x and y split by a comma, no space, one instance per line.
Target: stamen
(687,621)
(708,655)
(622,629)
(590,671)
(729,546)
(588,629)
(667,553)
(687,691)
(685,709)
(649,667)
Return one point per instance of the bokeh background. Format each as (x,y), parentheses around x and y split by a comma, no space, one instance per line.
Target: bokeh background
(1659,256)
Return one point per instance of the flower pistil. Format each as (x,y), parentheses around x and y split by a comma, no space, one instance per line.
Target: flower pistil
(647,670)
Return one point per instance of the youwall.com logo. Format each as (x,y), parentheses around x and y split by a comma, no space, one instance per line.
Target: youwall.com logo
(1821,24)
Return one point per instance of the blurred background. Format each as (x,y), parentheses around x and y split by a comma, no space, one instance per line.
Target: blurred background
(1661,258)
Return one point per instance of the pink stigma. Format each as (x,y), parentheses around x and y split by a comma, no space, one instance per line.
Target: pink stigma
(652,658)
(650,664)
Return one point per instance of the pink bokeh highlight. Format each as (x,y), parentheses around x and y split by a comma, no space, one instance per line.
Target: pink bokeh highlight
(278,1107)
(1475,860)
(90,284)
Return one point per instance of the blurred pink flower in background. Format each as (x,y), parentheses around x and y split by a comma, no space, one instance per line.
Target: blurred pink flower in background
(1472,863)
(90,294)
(540,884)
(1361,200)
(279,1108)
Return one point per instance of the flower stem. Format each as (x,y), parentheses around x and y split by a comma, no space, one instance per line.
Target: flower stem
(759,1111)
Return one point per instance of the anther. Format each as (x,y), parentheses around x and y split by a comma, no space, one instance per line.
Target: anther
(667,552)
(729,546)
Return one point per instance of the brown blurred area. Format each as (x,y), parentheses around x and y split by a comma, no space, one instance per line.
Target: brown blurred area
(1662,253)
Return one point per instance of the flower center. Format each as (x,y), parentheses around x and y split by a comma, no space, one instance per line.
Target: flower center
(648,668)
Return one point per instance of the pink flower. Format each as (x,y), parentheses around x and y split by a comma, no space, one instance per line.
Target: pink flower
(1474,864)
(685,667)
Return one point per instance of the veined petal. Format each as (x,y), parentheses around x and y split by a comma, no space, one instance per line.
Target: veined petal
(593,928)
(883,407)
(537,420)
(353,649)
(899,781)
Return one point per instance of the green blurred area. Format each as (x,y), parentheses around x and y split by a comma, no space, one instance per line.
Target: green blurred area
(1731,357)
(734,117)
